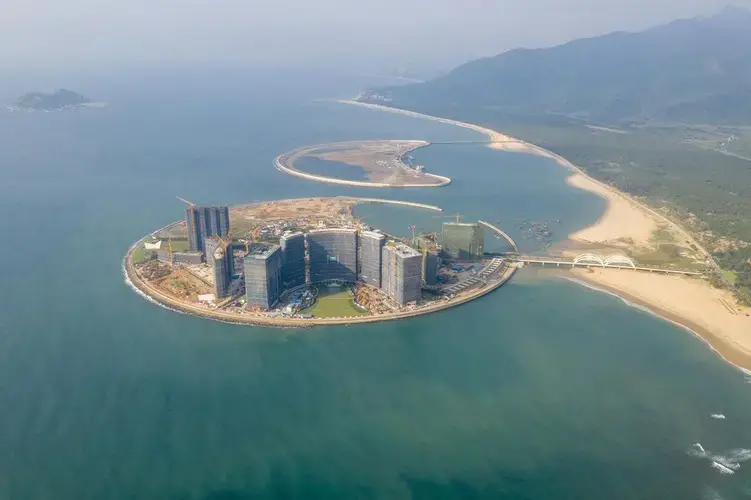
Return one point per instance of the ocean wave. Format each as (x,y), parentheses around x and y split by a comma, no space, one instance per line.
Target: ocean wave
(722,468)
(146,296)
(726,463)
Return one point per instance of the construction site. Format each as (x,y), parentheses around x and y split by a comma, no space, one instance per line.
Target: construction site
(385,163)
(308,261)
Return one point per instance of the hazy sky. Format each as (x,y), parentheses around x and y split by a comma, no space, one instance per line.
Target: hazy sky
(111,33)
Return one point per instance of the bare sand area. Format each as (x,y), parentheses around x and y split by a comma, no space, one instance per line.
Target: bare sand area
(623,223)
(381,162)
(630,226)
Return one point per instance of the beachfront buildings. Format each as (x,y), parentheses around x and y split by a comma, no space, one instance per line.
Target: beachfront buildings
(219,257)
(401,273)
(332,254)
(462,241)
(293,259)
(204,222)
(371,246)
(263,277)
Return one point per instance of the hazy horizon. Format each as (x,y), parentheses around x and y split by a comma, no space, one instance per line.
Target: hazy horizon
(425,35)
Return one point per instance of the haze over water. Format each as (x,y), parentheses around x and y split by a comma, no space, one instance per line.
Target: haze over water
(543,389)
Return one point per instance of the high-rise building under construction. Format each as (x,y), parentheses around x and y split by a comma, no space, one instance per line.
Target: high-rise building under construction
(333,254)
(263,277)
(401,273)
(371,247)
(293,259)
(204,222)
(462,241)
(430,262)
(219,257)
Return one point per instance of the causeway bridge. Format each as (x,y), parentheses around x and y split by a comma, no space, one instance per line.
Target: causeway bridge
(590,260)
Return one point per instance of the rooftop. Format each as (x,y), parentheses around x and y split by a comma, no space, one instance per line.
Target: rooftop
(346,230)
(289,235)
(462,224)
(262,252)
(373,234)
(403,250)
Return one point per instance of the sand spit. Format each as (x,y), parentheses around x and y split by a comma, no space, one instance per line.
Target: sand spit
(711,313)
(622,220)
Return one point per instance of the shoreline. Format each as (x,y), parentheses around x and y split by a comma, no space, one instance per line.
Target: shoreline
(711,314)
(154,296)
(503,142)
(721,347)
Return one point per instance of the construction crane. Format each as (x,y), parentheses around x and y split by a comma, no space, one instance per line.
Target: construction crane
(169,251)
(190,203)
(247,246)
(359,224)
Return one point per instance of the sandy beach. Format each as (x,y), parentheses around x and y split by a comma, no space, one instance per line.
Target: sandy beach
(710,313)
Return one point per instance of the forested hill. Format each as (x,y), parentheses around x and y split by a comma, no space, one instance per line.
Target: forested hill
(692,71)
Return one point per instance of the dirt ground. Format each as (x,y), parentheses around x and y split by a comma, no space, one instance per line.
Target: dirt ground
(175,281)
(296,213)
(303,212)
(381,160)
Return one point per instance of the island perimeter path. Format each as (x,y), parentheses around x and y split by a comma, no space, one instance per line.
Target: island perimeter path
(255,218)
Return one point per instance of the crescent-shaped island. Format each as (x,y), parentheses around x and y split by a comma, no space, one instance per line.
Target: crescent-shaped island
(378,164)
(308,261)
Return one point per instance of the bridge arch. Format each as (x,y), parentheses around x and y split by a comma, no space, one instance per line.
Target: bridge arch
(619,260)
(589,258)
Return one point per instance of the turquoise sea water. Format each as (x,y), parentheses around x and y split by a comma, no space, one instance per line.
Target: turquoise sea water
(543,389)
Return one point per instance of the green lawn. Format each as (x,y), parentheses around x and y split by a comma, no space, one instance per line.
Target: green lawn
(731,276)
(334,304)
(139,254)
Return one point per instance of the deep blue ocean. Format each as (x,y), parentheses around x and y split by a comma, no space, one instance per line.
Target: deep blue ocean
(544,389)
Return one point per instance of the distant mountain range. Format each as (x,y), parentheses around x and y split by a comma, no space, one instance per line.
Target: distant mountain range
(55,101)
(692,70)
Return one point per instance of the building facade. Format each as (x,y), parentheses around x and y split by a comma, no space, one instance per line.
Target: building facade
(332,254)
(219,257)
(401,273)
(430,263)
(263,277)
(462,241)
(204,222)
(371,249)
(192,258)
(193,221)
(293,259)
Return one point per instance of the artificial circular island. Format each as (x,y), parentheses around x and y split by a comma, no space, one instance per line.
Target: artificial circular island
(381,163)
(308,261)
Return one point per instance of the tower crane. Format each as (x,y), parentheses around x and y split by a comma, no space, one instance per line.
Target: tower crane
(190,203)
(169,251)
